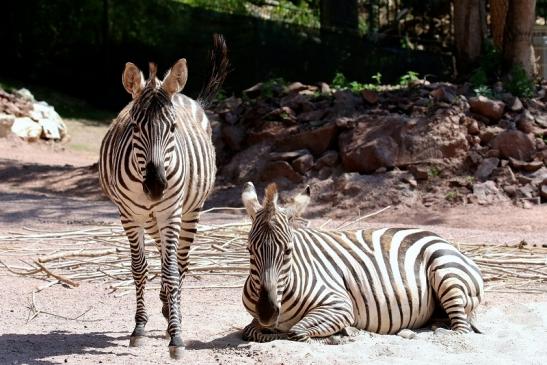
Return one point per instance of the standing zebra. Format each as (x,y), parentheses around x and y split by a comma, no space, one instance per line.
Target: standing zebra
(157,164)
(306,283)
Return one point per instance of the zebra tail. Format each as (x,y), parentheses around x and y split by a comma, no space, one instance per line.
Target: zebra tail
(219,70)
(471,319)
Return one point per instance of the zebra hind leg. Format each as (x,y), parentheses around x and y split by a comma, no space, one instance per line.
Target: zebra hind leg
(453,302)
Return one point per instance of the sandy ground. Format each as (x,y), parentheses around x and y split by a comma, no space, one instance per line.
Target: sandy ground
(39,191)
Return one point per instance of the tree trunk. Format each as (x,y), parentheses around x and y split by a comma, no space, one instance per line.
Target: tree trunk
(517,37)
(339,14)
(498,12)
(469,28)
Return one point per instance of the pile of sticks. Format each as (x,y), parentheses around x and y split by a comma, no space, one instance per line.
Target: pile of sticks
(102,253)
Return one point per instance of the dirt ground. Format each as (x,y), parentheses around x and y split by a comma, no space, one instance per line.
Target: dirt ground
(45,187)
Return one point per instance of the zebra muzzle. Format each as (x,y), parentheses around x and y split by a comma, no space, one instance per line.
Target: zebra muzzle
(267,307)
(154,183)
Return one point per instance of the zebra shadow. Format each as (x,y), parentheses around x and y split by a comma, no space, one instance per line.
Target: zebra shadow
(36,349)
(231,340)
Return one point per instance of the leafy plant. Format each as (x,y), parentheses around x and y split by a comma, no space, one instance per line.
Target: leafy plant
(451,195)
(484,90)
(433,171)
(378,78)
(519,83)
(340,82)
(272,86)
(408,78)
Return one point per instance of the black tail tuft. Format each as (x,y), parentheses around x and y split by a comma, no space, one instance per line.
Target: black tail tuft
(475,329)
(219,70)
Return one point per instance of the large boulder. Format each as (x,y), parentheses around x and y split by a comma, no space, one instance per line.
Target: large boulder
(515,144)
(316,140)
(396,140)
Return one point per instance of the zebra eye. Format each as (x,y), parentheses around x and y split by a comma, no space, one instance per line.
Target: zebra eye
(288,251)
(135,128)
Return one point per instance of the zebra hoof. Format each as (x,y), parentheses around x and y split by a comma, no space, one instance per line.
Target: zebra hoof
(176,352)
(442,331)
(167,336)
(136,341)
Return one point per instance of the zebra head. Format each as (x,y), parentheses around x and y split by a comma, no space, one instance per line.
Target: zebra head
(270,245)
(153,120)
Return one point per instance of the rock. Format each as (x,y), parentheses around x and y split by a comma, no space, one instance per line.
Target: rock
(345,102)
(516,105)
(540,144)
(369,156)
(316,140)
(303,163)
(270,132)
(525,166)
(288,156)
(296,87)
(473,127)
(492,109)
(510,190)
(396,140)
(324,88)
(25,127)
(6,121)
(443,94)
(514,144)
(278,170)
(329,158)
(487,193)
(253,91)
(543,191)
(25,94)
(541,120)
(233,136)
(324,173)
(247,164)
(486,168)
(419,172)
(487,134)
(526,191)
(527,126)
(492,153)
(369,96)
(312,116)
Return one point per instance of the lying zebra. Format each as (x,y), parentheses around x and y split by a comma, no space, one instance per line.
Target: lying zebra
(307,284)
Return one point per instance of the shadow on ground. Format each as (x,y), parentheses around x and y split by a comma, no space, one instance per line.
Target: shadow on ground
(36,348)
(231,340)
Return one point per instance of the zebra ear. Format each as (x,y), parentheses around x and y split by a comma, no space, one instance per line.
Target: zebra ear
(299,204)
(250,200)
(176,78)
(132,79)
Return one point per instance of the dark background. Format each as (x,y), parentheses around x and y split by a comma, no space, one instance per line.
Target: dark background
(80,47)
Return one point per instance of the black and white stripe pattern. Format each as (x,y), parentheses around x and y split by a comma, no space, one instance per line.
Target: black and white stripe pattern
(157,164)
(306,284)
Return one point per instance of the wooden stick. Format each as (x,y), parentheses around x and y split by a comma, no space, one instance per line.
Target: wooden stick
(57,276)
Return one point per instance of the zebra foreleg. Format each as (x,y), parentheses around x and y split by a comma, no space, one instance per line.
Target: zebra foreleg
(170,278)
(254,332)
(139,269)
(320,324)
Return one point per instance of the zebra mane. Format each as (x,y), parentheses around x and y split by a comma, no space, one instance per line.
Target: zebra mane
(270,200)
(152,70)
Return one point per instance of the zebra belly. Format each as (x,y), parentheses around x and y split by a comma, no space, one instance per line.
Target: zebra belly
(387,307)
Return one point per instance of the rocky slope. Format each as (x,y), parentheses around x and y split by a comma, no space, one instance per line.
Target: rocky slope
(428,144)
